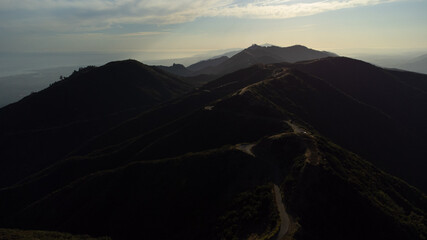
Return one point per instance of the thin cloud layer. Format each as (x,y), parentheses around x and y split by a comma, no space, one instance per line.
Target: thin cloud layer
(281,9)
(90,15)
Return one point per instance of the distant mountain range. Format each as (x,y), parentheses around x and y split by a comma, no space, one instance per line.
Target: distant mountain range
(253,55)
(402,61)
(418,64)
(271,143)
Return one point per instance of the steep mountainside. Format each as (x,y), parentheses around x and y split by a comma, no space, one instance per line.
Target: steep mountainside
(207,164)
(47,125)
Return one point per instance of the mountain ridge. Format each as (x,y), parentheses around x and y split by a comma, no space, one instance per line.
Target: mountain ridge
(254,54)
(208,160)
(77,108)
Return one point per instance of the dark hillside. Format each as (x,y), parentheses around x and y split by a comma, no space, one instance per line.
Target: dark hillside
(185,105)
(326,195)
(221,113)
(47,125)
(332,197)
(89,93)
(399,95)
(270,151)
(403,96)
(174,127)
(178,198)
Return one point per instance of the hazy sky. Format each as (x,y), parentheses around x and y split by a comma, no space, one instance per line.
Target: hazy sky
(177,28)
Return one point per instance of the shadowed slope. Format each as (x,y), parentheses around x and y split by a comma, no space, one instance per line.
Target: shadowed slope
(47,125)
(185,162)
(203,194)
(401,96)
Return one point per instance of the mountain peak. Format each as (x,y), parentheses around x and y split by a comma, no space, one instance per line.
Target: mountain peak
(177,65)
(124,62)
(267,45)
(299,46)
(254,46)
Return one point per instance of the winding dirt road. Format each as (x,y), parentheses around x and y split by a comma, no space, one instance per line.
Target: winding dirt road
(284,217)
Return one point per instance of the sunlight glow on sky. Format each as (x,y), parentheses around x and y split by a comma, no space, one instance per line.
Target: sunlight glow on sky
(188,27)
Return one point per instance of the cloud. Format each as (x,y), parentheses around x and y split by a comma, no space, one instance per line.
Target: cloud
(91,15)
(277,9)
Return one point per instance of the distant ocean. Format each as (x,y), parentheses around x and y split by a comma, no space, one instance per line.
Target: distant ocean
(24,73)
(21,63)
